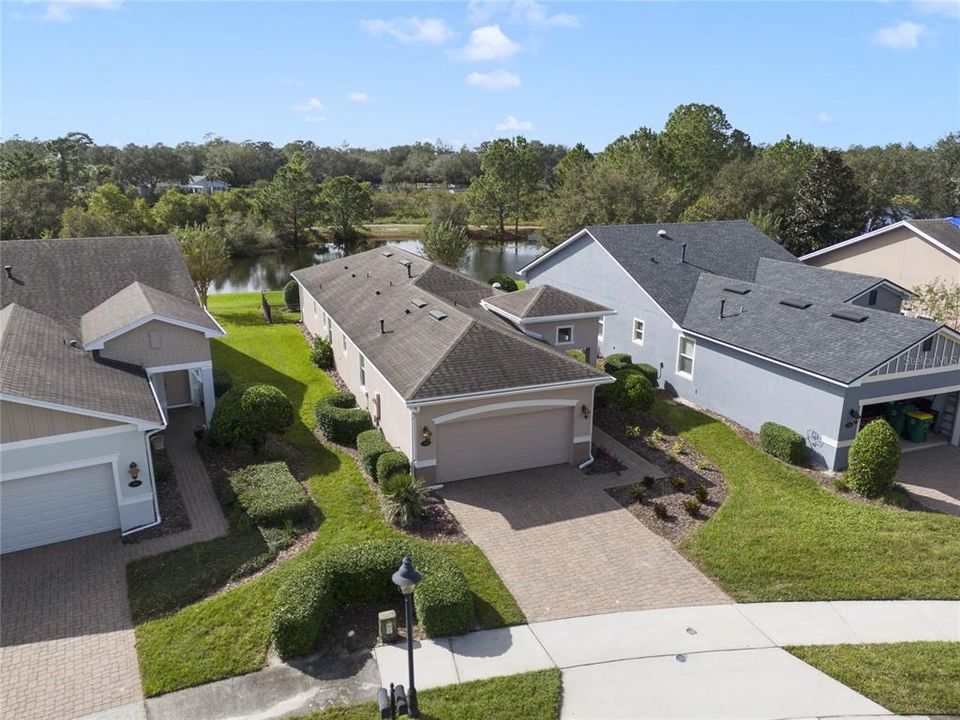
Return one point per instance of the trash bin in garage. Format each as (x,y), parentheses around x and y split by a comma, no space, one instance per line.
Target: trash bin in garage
(918,423)
(896,416)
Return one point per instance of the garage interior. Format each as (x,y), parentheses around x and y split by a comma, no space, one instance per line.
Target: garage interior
(922,421)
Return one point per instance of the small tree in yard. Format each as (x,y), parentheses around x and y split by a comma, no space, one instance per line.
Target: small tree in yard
(873,460)
(445,243)
(344,204)
(633,391)
(205,252)
(245,414)
(291,295)
(938,300)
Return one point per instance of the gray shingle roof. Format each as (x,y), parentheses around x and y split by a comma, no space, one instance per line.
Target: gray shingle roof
(942,231)
(730,248)
(65,278)
(544,301)
(809,338)
(469,351)
(812,281)
(36,364)
(136,302)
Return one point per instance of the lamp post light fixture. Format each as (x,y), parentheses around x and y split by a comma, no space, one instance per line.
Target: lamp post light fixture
(406,578)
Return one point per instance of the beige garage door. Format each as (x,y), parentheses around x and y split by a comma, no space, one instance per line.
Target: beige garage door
(504,443)
(45,509)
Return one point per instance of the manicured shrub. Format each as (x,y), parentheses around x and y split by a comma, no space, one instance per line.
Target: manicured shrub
(692,506)
(291,295)
(322,353)
(392,463)
(648,481)
(406,497)
(679,482)
(633,391)
(649,372)
(222,382)
(506,282)
(873,460)
(339,418)
(660,510)
(371,444)
(616,362)
(783,443)
(638,492)
(247,413)
(700,493)
(361,573)
(677,447)
(577,354)
(269,493)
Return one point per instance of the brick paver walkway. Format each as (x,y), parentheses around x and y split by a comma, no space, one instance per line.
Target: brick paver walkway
(565,548)
(931,476)
(66,637)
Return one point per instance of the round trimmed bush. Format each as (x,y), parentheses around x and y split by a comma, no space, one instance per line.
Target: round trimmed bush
(247,413)
(633,391)
(507,283)
(649,372)
(873,460)
(361,573)
(783,443)
(339,418)
(371,445)
(392,463)
(616,362)
(291,295)
(322,353)
(222,382)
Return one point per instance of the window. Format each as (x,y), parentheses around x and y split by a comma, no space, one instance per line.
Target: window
(316,308)
(928,344)
(155,341)
(363,371)
(685,356)
(872,298)
(638,331)
(343,335)
(330,331)
(600,334)
(565,335)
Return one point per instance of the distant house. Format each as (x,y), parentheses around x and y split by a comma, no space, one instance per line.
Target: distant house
(200,184)
(465,379)
(910,253)
(99,338)
(737,325)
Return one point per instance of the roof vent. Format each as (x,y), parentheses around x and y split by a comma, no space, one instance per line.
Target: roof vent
(662,233)
(849,316)
(418,302)
(408,265)
(387,253)
(437,315)
(738,289)
(798,303)
(8,269)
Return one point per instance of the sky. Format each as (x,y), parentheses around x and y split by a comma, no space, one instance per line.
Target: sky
(379,74)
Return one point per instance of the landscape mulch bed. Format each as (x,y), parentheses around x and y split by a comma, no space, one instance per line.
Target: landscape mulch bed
(604,462)
(173,511)
(688,465)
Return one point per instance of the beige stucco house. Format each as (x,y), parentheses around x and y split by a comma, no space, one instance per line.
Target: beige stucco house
(465,379)
(99,339)
(908,253)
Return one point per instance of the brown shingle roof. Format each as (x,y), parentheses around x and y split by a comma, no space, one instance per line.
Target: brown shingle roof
(544,301)
(38,363)
(468,351)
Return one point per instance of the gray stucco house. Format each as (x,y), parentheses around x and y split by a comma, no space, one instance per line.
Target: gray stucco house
(739,326)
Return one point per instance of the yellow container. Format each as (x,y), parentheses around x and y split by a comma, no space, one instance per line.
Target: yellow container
(920,415)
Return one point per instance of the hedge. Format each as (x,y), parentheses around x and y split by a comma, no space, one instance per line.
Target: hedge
(783,443)
(650,373)
(632,390)
(247,412)
(222,382)
(269,493)
(616,362)
(392,463)
(291,295)
(873,460)
(507,283)
(339,418)
(322,353)
(371,445)
(362,573)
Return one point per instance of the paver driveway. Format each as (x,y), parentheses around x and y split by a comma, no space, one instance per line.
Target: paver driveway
(566,548)
(932,476)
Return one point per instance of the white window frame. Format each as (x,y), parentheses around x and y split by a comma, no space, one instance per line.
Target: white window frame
(316,308)
(643,330)
(565,327)
(602,327)
(691,356)
(363,372)
(343,341)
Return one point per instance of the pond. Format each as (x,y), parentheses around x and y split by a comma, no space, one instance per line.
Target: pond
(271,270)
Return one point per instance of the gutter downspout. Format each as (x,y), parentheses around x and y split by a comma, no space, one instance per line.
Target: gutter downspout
(153,485)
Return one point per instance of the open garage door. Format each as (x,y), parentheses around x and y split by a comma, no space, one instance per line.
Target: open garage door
(504,443)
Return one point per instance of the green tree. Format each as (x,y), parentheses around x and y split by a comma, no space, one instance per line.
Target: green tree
(205,252)
(68,152)
(829,206)
(32,208)
(345,204)
(108,203)
(150,165)
(939,300)
(177,209)
(445,242)
(79,223)
(289,200)
(508,184)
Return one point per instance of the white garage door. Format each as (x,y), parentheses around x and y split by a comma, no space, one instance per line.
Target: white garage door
(45,509)
(504,443)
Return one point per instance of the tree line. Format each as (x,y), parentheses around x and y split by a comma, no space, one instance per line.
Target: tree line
(697,167)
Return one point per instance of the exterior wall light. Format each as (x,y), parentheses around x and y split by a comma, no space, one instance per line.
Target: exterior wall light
(134,470)
(584,410)
(427,436)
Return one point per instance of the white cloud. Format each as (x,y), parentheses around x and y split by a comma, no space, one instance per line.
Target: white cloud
(432,31)
(488,43)
(528,11)
(948,8)
(825,118)
(903,35)
(496,80)
(61,11)
(512,124)
(358,97)
(311,105)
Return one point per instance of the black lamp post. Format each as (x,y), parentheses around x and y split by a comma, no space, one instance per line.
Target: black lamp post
(406,578)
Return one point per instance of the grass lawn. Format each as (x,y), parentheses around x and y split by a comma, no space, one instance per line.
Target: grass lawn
(779,536)
(914,678)
(531,696)
(228,634)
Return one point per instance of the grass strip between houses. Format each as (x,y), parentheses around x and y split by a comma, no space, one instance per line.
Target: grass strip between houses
(228,634)
(910,678)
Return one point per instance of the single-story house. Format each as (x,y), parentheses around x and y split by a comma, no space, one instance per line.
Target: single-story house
(909,253)
(465,379)
(99,338)
(739,326)
(200,184)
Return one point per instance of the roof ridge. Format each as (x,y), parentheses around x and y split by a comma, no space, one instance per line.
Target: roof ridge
(446,353)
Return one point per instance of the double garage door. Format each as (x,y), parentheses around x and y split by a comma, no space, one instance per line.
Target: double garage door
(504,443)
(43,509)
